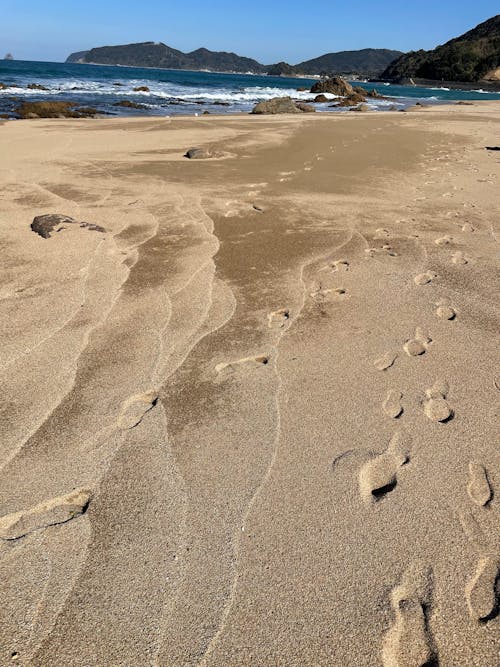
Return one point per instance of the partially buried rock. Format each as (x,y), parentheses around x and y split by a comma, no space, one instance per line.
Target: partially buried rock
(198,154)
(336,85)
(276,105)
(43,225)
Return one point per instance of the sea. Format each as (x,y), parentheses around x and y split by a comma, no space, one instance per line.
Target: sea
(181,92)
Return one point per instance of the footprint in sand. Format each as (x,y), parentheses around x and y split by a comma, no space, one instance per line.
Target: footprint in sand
(408,643)
(340,265)
(436,407)
(443,240)
(135,407)
(445,311)
(468,228)
(378,477)
(328,295)
(459,258)
(424,278)
(385,249)
(482,592)
(48,513)
(385,361)
(479,487)
(414,347)
(247,363)
(278,319)
(392,404)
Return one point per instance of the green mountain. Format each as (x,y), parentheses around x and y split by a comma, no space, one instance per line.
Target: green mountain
(77,57)
(365,61)
(474,56)
(157,54)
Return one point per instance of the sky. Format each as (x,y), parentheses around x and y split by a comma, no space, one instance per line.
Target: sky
(266,30)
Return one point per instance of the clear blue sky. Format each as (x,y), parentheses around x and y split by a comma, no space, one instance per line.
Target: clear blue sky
(267,30)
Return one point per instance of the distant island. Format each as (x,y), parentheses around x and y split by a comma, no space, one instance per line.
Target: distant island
(365,62)
(8,56)
(472,57)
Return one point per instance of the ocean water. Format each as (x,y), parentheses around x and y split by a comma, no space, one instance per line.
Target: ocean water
(174,92)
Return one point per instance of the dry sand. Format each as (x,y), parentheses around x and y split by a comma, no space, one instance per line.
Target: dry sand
(255,422)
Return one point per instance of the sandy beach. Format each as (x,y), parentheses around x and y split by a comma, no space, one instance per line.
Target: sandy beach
(254,421)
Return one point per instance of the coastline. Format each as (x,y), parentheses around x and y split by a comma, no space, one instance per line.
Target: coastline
(246,376)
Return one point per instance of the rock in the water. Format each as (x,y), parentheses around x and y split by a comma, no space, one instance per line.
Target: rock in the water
(351,100)
(362,107)
(336,85)
(198,154)
(276,105)
(321,98)
(36,86)
(305,108)
(374,95)
(129,105)
(43,225)
(53,110)
(141,89)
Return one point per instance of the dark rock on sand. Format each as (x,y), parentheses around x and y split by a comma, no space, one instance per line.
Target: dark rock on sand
(53,110)
(43,225)
(129,105)
(276,105)
(36,86)
(321,98)
(141,89)
(336,85)
(198,154)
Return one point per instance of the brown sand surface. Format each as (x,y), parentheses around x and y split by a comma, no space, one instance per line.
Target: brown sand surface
(255,421)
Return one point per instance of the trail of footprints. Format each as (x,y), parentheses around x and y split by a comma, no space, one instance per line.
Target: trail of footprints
(409,641)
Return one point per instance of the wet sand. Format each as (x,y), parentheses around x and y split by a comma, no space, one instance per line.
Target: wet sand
(255,421)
